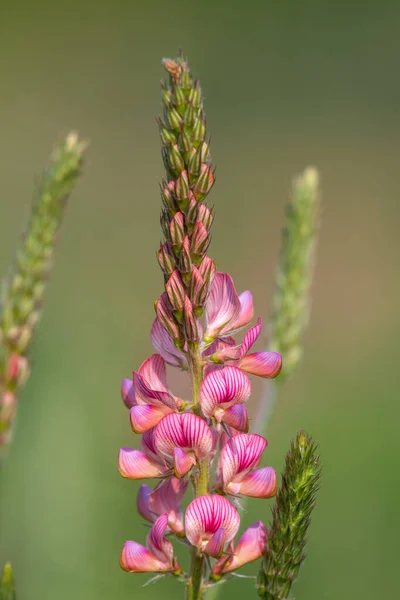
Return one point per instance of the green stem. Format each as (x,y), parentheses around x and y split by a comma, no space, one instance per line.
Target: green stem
(194,587)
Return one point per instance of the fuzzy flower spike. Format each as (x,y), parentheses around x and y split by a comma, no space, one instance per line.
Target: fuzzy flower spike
(197,315)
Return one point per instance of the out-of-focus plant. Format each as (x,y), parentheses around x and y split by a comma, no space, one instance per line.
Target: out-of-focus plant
(25,284)
(197,318)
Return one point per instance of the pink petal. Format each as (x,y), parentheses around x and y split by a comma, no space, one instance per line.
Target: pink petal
(157,543)
(183,430)
(223,305)
(148,447)
(263,364)
(134,464)
(165,346)
(236,416)
(167,498)
(154,371)
(241,454)
(261,483)
(142,504)
(246,313)
(251,546)
(146,394)
(225,387)
(250,337)
(128,393)
(206,515)
(144,417)
(182,462)
(135,558)
(216,544)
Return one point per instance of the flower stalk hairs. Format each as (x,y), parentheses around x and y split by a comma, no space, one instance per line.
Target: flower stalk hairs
(200,442)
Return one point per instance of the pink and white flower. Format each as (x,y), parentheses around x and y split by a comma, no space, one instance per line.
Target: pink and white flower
(236,469)
(157,556)
(181,439)
(263,364)
(251,546)
(210,523)
(220,393)
(226,312)
(144,463)
(166,498)
(148,396)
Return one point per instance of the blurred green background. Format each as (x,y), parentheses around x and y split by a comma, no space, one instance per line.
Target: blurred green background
(287,84)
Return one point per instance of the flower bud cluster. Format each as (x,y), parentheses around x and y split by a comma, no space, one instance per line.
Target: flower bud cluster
(185,440)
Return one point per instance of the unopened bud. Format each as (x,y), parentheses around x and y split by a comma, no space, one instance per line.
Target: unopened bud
(185,261)
(199,129)
(177,231)
(191,213)
(182,187)
(174,119)
(166,259)
(205,216)
(173,68)
(204,182)
(185,143)
(198,291)
(17,370)
(189,115)
(175,160)
(167,137)
(195,163)
(165,223)
(207,269)
(190,324)
(195,95)
(200,240)
(167,195)
(166,317)
(179,96)
(204,151)
(176,292)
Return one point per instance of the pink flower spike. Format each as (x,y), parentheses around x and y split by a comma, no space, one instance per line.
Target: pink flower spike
(144,417)
(263,364)
(165,346)
(223,388)
(134,464)
(261,483)
(186,431)
(222,307)
(250,547)
(206,516)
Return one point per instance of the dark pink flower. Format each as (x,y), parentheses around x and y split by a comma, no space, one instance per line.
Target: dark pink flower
(211,522)
(158,556)
(165,498)
(251,546)
(236,475)
(181,438)
(220,391)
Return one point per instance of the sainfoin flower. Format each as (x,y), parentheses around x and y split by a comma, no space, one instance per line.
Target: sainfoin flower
(198,316)
(158,555)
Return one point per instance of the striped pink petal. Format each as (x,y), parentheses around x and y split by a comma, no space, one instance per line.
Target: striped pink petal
(263,364)
(239,456)
(222,307)
(246,313)
(147,392)
(165,346)
(144,417)
(236,416)
(222,389)
(183,430)
(134,464)
(135,558)
(205,516)
(148,447)
(158,545)
(182,462)
(251,546)
(250,337)
(154,371)
(261,483)
(216,544)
